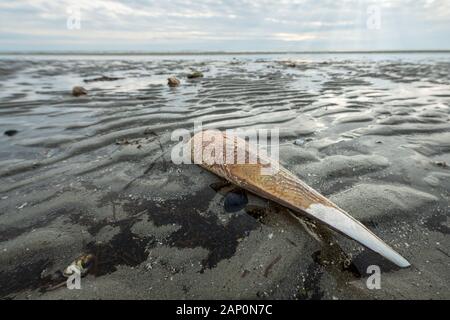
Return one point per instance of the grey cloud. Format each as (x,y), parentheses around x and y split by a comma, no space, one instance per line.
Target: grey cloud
(225,25)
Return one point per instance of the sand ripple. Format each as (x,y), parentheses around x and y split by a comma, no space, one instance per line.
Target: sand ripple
(94,173)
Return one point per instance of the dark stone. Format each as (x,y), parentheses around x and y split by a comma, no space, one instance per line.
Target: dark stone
(102,78)
(11,133)
(195,74)
(235,201)
(79,91)
(173,82)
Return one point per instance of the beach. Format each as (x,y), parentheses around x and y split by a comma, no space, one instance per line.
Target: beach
(93,174)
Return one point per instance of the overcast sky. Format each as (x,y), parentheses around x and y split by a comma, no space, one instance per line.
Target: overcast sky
(230,25)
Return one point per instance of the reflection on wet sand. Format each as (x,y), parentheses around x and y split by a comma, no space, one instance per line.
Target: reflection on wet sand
(92,174)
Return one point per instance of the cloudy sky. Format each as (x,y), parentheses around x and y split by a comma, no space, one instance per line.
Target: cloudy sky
(230,25)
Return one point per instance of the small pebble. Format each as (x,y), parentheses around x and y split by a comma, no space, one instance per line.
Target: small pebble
(195,74)
(442,164)
(11,133)
(235,201)
(173,82)
(79,91)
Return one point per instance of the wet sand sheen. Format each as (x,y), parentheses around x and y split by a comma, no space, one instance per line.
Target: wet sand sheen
(374,137)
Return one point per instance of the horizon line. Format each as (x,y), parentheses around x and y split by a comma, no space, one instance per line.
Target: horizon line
(215,52)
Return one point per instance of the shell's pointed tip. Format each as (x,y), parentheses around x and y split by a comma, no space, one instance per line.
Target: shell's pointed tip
(344,223)
(403,263)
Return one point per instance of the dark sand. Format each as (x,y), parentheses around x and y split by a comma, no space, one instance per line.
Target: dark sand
(379,139)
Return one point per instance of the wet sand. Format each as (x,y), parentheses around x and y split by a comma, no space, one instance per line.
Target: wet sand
(93,174)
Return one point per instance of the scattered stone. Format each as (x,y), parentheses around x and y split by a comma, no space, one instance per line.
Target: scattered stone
(127,142)
(235,201)
(123,142)
(79,91)
(301,141)
(11,133)
(441,163)
(102,78)
(289,64)
(195,74)
(173,82)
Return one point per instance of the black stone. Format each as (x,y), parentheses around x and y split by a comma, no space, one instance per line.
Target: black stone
(235,201)
(11,133)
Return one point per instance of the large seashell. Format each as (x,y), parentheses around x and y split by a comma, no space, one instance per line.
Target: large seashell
(282,187)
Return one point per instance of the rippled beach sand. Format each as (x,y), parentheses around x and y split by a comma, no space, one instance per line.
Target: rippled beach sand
(93,174)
